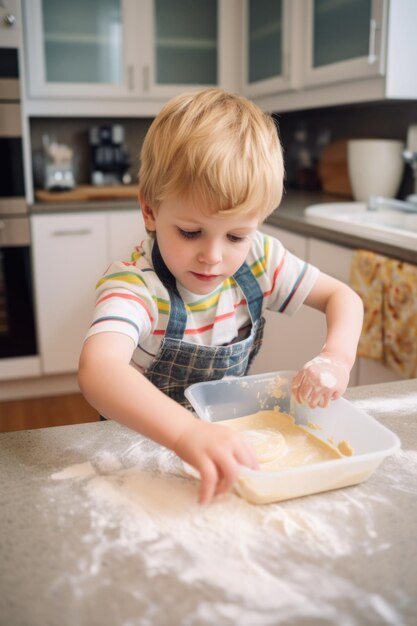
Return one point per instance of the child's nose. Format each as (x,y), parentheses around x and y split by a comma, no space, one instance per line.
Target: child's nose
(211,253)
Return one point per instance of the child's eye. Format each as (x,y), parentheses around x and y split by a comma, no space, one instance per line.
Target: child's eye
(235,238)
(189,234)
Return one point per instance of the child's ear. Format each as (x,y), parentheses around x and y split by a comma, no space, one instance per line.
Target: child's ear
(147,213)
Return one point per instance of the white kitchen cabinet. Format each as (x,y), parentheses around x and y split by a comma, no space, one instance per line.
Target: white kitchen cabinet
(126,230)
(344,40)
(127,51)
(10,24)
(70,252)
(289,342)
(330,258)
(297,244)
(347,52)
(267,36)
(180,45)
(79,49)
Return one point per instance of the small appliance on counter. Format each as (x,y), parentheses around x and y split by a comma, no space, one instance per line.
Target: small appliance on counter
(109,157)
(58,166)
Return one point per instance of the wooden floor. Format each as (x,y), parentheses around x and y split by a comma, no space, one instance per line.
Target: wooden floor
(43,412)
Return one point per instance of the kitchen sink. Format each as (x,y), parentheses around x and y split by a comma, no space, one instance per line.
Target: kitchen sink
(385,224)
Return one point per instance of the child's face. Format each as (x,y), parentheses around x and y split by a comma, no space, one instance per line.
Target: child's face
(199,249)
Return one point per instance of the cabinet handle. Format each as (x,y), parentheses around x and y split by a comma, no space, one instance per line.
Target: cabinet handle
(72,233)
(146,78)
(373,27)
(9,20)
(130,78)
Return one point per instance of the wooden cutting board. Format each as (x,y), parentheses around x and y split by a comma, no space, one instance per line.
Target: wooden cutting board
(333,169)
(85,193)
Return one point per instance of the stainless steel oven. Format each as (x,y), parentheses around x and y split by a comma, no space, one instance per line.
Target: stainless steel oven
(18,349)
(12,188)
(17,321)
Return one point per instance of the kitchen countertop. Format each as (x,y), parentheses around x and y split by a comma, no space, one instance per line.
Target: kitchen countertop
(289,216)
(100,526)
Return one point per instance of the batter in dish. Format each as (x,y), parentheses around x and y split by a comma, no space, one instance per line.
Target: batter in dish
(279,443)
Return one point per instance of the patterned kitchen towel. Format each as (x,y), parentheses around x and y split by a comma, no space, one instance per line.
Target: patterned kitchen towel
(366,280)
(400,317)
(388,289)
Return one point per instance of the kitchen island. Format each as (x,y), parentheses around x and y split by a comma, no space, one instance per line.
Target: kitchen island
(100,526)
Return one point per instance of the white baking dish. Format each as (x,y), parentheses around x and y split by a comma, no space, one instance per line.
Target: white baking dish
(235,397)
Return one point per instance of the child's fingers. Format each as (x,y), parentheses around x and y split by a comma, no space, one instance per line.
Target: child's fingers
(297,380)
(244,455)
(321,396)
(223,486)
(315,399)
(229,471)
(209,479)
(247,455)
(305,391)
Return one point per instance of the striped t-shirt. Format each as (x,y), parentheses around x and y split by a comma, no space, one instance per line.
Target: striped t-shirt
(132,300)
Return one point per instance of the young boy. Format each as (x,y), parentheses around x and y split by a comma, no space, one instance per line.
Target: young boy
(188,307)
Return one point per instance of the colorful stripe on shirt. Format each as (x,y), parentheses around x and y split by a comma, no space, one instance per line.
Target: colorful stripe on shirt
(127,296)
(116,318)
(206,303)
(258,267)
(294,289)
(127,277)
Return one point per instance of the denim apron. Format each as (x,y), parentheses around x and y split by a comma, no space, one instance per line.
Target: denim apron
(179,363)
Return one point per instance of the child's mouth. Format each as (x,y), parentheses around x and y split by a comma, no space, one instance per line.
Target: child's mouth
(204,277)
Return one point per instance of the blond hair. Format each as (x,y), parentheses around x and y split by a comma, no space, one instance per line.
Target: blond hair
(216,147)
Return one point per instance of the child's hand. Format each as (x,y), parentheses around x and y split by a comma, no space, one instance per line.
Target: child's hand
(216,452)
(320,380)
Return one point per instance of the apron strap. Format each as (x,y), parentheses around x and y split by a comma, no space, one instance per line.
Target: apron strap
(177,322)
(251,290)
(177,312)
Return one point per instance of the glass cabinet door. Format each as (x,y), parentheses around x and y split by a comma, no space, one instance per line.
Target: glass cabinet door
(266,37)
(77,48)
(185,42)
(82,41)
(334,24)
(344,39)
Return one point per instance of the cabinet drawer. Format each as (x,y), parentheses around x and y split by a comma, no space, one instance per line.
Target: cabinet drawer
(70,253)
(330,258)
(297,244)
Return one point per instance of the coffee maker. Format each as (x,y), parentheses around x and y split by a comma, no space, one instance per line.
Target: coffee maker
(109,157)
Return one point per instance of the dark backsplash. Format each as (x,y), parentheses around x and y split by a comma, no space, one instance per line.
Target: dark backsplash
(385,120)
(74,133)
(377,120)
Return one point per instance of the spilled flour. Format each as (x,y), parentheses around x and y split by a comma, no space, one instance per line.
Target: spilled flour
(230,562)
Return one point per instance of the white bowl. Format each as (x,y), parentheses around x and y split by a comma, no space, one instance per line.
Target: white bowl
(375,167)
(235,397)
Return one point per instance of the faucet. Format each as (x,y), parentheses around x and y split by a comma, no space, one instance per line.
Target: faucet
(406,206)
(410,156)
